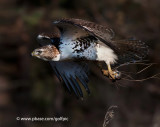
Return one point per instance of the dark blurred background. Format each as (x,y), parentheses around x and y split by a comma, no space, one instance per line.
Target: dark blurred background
(29,88)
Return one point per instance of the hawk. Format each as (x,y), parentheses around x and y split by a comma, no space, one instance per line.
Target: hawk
(82,40)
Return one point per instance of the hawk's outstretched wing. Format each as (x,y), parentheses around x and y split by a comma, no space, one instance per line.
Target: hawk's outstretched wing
(72,73)
(103,33)
(127,50)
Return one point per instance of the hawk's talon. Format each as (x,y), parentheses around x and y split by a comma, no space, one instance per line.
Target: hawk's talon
(110,74)
(105,72)
(113,75)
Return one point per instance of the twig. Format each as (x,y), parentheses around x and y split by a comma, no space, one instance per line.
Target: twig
(109,115)
(142,62)
(144,68)
(128,76)
(141,80)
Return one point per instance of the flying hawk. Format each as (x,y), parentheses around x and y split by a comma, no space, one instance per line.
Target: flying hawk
(82,40)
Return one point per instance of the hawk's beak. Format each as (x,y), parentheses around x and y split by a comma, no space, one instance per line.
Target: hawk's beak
(33,53)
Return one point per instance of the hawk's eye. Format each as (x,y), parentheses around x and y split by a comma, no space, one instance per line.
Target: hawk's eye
(39,52)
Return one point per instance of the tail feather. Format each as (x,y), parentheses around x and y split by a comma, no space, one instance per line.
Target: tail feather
(131,50)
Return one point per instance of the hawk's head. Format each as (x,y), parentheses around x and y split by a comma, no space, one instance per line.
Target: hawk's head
(48,53)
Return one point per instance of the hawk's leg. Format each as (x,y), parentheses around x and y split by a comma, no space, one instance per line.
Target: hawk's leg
(109,73)
(113,75)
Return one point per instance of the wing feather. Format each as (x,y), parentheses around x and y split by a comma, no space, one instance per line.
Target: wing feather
(71,72)
(78,87)
(103,33)
(66,83)
(84,83)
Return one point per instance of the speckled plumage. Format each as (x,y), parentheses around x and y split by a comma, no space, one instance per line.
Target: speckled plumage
(79,43)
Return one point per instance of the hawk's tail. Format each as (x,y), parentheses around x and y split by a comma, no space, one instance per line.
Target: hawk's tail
(131,50)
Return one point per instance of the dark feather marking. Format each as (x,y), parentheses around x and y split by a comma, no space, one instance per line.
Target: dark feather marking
(85,77)
(77,85)
(73,87)
(84,43)
(103,33)
(84,83)
(46,40)
(56,42)
(56,72)
(66,82)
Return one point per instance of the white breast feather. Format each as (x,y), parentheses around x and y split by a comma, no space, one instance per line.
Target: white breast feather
(100,51)
(104,53)
(68,44)
(90,52)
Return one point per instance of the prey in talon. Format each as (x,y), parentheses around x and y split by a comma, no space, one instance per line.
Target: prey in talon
(80,40)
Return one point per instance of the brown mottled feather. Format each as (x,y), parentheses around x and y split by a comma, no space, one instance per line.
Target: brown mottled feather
(131,50)
(103,33)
